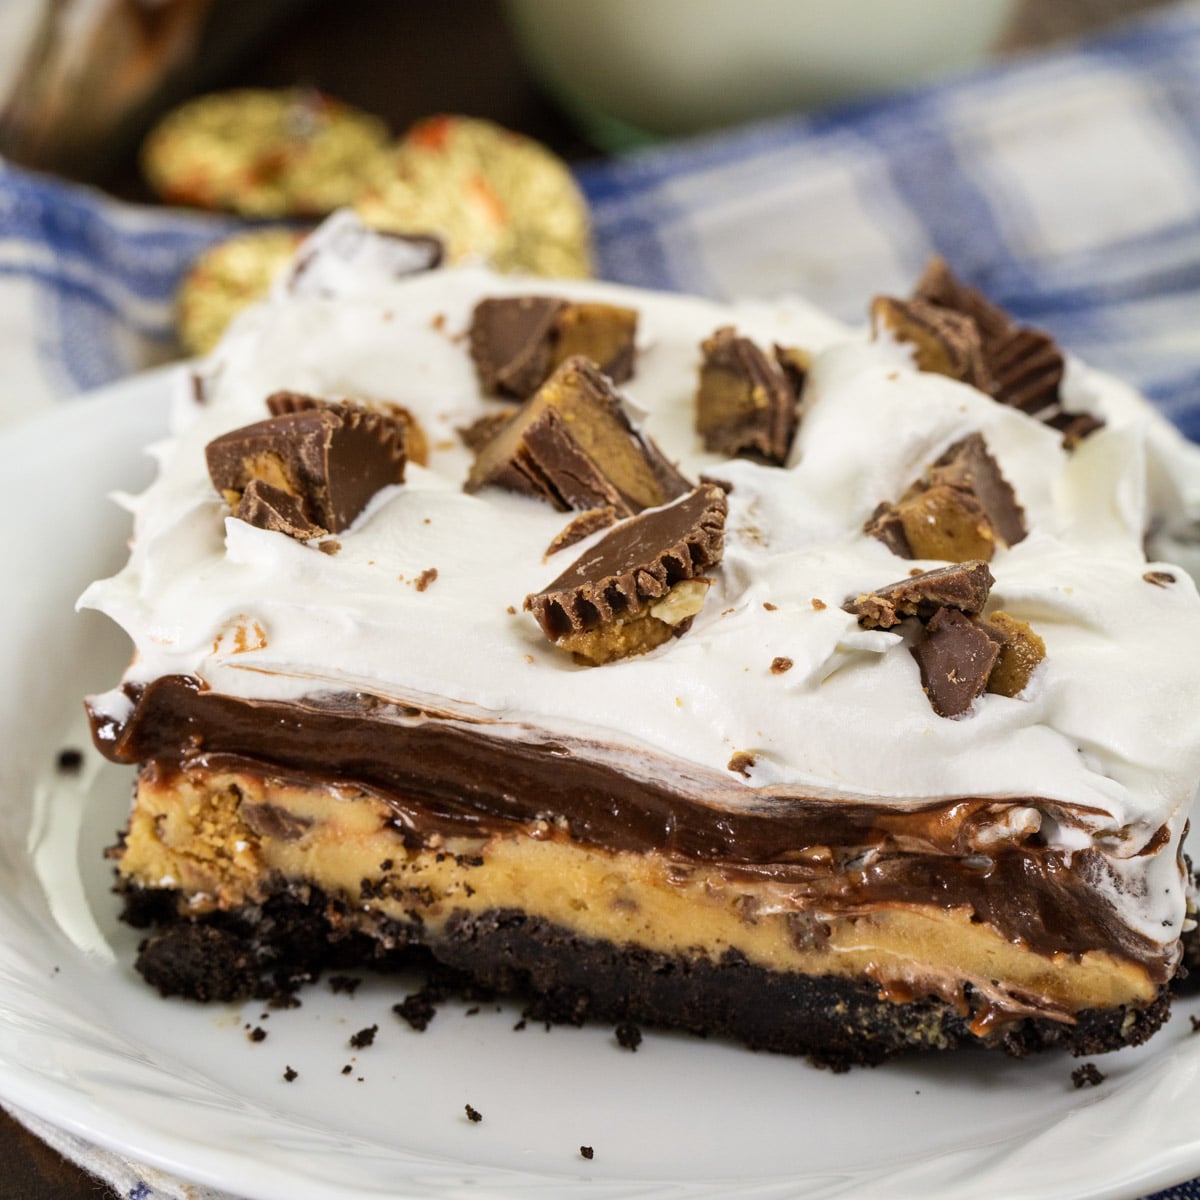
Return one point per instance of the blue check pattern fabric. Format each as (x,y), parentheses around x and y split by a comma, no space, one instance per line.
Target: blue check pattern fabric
(1066,185)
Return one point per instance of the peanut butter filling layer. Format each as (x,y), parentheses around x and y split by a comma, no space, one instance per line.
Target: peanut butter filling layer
(228,838)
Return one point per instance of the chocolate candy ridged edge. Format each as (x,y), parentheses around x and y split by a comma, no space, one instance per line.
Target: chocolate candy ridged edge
(573,604)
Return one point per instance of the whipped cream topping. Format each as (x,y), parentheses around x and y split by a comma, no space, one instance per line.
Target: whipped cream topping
(1106,727)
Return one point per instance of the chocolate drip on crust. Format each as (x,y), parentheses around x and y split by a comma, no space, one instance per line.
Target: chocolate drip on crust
(444,778)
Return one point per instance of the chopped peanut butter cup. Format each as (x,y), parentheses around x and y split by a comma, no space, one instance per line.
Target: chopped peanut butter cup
(329,460)
(957,665)
(572,444)
(965,587)
(944,341)
(746,404)
(638,586)
(958,512)
(1020,652)
(1023,367)
(416,445)
(518,341)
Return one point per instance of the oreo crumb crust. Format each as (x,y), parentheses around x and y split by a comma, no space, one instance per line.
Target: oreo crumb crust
(837,1023)
(257,1034)
(587,1152)
(290,1074)
(473,1114)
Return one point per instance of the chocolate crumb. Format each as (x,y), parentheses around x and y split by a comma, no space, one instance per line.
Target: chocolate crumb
(347,1069)
(70,760)
(587,1152)
(473,1114)
(741,762)
(817,604)
(289,1074)
(1160,579)
(520,1025)
(1195,1023)
(629,1036)
(1087,1076)
(425,578)
(769,606)
(780,664)
(387,864)
(364,1037)
(258,1034)
(418,1009)
(472,1011)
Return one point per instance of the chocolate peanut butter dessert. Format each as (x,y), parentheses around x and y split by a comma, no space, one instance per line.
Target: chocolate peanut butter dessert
(734,671)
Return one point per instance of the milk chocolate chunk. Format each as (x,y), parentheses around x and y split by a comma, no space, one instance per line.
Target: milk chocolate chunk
(330,460)
(958,511)
(640,585)
(964,587)
(955,658)
(943,341)
(518,341)
(746,403)
(1020,652)
(573,445)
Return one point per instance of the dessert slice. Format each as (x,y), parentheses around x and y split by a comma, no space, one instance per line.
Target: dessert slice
(949,815)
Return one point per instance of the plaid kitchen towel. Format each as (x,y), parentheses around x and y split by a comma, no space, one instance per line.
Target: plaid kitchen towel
(1066,185)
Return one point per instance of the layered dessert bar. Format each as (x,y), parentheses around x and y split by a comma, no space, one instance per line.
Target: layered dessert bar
(804,685)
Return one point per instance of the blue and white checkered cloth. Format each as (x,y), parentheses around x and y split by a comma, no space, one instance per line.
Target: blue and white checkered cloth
(1066,185)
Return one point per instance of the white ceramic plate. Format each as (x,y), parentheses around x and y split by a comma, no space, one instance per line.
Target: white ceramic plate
(85,1044)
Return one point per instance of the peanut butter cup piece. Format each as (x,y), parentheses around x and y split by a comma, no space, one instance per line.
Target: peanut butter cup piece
(329,460)
(1025,364)
(518,341)
(573,445)
(958,512)
(964,587)
(1020,652)
(746,403)
(944,342)
(416,444)
(640,585)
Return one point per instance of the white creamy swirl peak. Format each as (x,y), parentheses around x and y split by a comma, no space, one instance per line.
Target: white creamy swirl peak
(1106,728)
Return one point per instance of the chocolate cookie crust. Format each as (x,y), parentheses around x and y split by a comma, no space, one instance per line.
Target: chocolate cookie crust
(838,1023)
